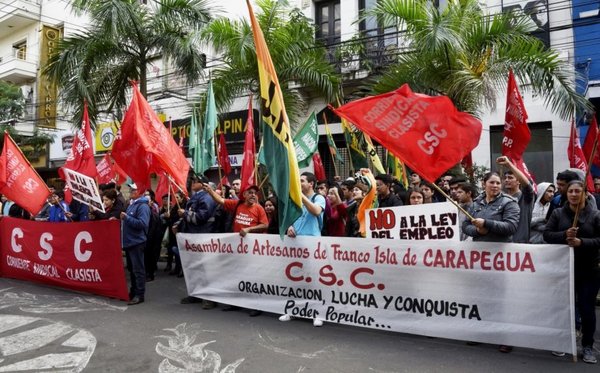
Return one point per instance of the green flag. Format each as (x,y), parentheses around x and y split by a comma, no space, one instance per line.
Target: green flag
(332,147)
(355,148)
(306,141)
(194,144)
(208,157)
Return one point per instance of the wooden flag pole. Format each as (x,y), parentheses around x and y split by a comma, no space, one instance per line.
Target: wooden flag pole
(587,174)
(333,158)
(449,199)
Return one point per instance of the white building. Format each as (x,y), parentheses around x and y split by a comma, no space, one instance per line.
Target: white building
(22,41)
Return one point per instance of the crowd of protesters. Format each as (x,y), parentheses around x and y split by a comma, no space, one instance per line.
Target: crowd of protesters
(503,208)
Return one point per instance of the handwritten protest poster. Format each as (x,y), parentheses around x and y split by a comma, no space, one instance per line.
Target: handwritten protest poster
(431,221)
(84,189)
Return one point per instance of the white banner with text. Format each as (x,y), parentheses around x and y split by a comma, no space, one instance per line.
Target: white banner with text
(510,294)
(430,221)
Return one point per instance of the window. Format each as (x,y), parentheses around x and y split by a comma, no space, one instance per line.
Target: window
(328,21)
(537,156)
(20,50)
(382,41)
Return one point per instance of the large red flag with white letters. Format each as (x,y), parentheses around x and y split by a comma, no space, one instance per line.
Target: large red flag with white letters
(427,133)
(516,132)
(81,158)
(576,156)
(19,182)
(145,146)
(109,172)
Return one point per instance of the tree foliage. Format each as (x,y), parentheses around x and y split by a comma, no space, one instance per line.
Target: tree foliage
(298,59)
(12,102)
(122,38)
(464,53)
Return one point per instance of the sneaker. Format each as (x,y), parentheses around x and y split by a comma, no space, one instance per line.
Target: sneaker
(317,322)
(588,355)
(558,353)
(285,317)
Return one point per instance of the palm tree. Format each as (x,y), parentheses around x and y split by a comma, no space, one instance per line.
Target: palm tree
(298,58)
(122,38)
(465,54)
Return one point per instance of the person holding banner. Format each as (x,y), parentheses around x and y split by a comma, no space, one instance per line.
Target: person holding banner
(59,209)
(578,225)
(310,223)
(135,223)
(353,225)
(249,217)
(109,200)
(495,214)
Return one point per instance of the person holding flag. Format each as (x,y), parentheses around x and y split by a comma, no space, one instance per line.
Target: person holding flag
(518,186)
(577,224)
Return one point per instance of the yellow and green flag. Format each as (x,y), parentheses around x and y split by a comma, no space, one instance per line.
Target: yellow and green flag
(355,148)
(397,169)
(377,165)
(335,154)
(278,147)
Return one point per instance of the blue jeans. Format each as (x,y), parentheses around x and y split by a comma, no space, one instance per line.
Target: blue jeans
(586,291)
(135,266)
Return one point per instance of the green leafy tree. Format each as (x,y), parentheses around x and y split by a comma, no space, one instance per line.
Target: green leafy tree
(12,102)
(464,53)
(298,59)
(122,38)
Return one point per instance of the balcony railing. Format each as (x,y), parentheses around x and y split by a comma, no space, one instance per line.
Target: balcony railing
(367,53)
(17,70)
(15,14)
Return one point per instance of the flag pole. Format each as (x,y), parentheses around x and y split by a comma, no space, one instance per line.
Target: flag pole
(333,160)
(169,188)
(217,153)
(587,174)
(448,198)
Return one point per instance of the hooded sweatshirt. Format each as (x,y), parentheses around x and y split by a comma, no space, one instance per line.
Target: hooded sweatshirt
(538,216)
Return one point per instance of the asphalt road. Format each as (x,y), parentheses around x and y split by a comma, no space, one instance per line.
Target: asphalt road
(46,329)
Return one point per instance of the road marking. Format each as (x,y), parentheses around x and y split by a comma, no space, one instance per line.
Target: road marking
(182,354)
(36,344)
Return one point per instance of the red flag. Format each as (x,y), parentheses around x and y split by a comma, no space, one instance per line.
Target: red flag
(467,164)
(248,177)
(81,158)
(576,156)
(224,156)
(109,172)
(162,188)
(427,133)
(224,181)
(146,146)
(588,144)
(516,132)
(318,167)
(19,182)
